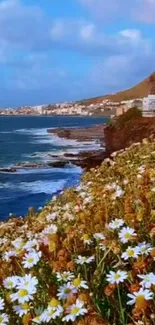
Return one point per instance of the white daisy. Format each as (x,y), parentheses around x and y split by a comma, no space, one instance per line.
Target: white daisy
(79,283)
(65,276)
(18,243)
(50,230)
(31,244)
(86,239)
(145,248)
(21,309)
(11,282)
(4,319)
(66,290)
(7,255)
(22,296)
(117,277)
(51,313)
(51,216)
(119,192)
(126,234)
(75,310)
(131,252)
(102,247)
(99,236)
(37,319)
(28,282)
(116,224)
(147,280)
(1,303)
(31,259)
(141,294)
(84,260)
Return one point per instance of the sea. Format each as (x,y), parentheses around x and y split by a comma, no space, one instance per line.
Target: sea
(25,139)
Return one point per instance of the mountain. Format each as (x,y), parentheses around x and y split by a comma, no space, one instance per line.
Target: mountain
(142,89)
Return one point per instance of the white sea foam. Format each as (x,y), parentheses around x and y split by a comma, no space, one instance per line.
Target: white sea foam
(47,187)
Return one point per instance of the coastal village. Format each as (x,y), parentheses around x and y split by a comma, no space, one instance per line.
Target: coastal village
(105,108)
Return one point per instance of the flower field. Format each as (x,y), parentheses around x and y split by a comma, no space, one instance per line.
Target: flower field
(88,258)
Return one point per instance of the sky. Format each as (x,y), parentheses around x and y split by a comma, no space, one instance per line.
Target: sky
(63,50)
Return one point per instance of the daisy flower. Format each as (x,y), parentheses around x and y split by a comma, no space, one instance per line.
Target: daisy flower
(147,280)
(65,276)
(126,234)
(86,239)
(79,283)
(51,216)
(4,319)
(7,255)
(21,310)
(102,247)
(22,295)
(28,282)
(18,243)
(31,259)
(141,294)
(131,252)
(144,248)
(66,290)
(31,244)
(37,319)
(50,230)
(84,260)
(117,277)
(75,310)
(116,224)
(51,313)
(1,303)
(11,282)
(99,236)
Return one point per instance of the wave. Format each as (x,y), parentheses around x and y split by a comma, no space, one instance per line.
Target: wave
(36,187)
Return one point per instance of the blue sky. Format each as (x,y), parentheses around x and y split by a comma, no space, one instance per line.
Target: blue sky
(57,50)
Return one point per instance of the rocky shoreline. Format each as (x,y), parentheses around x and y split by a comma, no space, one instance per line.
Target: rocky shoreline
(84,159)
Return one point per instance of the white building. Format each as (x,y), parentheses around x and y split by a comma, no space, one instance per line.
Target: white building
(149,105)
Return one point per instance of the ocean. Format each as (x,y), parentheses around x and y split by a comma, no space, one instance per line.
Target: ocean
(25,139)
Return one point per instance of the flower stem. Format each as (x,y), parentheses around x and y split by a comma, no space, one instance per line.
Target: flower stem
(121,307)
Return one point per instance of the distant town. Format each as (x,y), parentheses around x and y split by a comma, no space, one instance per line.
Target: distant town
(105,108)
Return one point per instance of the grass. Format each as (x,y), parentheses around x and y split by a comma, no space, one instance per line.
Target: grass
(102,233)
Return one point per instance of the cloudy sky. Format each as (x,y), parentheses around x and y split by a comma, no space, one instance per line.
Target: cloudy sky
(56,50)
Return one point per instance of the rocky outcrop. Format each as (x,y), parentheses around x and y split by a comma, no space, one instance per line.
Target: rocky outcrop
(133,131)
(81,134)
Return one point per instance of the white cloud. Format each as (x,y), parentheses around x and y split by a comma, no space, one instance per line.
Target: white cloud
(140,10)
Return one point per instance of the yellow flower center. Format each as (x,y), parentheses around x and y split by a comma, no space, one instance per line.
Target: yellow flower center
(130,252)
(23,293)
(85,237)
(75,310)
(10,283)
(140,299)
(76,282)
(30,260)
(117,276)
(127,235)
(67,290)
(54,303)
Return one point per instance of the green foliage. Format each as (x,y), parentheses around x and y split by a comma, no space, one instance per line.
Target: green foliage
(120,121)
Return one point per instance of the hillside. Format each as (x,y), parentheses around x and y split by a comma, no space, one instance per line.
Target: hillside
(88,257)
(144,88)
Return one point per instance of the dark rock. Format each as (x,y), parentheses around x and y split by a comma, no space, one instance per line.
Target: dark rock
(58,164)
(8,170)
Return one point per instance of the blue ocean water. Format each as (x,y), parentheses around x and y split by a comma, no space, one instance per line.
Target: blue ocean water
(20,139)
